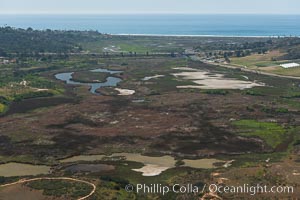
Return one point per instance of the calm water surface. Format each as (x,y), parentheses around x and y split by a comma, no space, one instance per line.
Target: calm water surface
(219,25)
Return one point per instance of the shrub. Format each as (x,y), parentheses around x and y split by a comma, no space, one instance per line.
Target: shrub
(2,107)
(217,92)
(30,95)
(252,93)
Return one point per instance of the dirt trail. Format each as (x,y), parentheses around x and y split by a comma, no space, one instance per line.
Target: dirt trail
(55,178)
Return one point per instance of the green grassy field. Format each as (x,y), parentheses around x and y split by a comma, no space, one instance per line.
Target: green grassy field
(272,133)
(269,62)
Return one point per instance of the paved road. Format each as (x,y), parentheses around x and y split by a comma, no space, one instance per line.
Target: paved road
(256,71)
(244,69)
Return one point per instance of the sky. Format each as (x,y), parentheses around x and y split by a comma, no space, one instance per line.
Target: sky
(149,6)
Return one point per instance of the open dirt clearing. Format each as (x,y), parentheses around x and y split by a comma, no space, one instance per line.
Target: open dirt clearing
(206,80)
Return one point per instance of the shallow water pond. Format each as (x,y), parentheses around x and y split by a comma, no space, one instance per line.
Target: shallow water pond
(153,165)
(19,169)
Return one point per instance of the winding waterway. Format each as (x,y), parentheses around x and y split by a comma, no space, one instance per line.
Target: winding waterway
(110,81)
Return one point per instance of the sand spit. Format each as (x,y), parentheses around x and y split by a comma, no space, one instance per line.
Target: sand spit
(185,68)
(125,92)
(151,170)
(147,78)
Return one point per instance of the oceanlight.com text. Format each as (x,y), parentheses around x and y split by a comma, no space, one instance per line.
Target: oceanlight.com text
(213,188)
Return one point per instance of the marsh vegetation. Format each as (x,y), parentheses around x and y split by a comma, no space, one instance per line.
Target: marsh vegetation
(181,119)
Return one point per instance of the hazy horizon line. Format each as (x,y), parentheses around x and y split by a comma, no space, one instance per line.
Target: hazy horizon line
(141,13)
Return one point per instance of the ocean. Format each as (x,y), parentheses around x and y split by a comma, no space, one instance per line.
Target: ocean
(164,24)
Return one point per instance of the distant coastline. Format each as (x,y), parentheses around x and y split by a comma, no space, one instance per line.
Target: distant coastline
(213,36)
(165,25)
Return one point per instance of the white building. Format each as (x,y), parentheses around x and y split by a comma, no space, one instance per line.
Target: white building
(289,65)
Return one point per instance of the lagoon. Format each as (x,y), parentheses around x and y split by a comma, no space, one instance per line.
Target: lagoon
(110,81)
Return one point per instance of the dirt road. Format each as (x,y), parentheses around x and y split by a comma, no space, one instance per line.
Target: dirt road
(55,178)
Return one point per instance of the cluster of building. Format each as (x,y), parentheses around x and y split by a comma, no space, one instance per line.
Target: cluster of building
(4,61)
